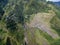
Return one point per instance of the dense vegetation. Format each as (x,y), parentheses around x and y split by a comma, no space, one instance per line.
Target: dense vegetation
(15,13)
(55,23)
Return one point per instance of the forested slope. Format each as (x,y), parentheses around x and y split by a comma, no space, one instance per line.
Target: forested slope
(29,22)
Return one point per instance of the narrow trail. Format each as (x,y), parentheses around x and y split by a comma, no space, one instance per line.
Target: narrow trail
(41,21)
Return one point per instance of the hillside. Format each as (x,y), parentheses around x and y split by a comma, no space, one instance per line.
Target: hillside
(29,22)
(57,4)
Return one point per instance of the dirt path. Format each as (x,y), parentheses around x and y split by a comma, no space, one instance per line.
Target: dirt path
(41,21)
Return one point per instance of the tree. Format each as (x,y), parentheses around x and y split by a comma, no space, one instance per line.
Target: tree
(8,42)
(11,24)
(3,3)
(1,12)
